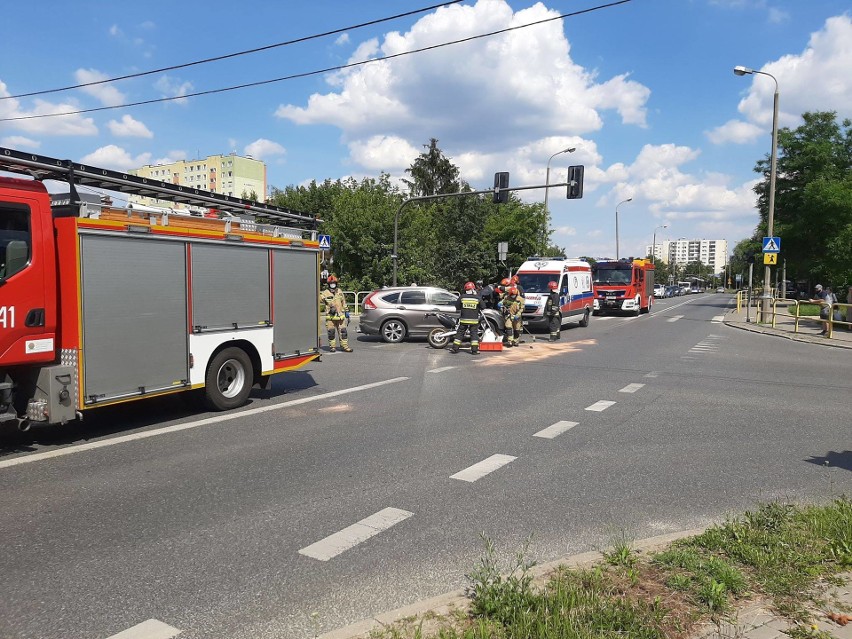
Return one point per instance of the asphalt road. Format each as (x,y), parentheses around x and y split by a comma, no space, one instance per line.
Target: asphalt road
(246,524)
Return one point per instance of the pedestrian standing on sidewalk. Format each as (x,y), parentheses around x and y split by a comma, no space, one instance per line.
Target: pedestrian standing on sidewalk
(825,298)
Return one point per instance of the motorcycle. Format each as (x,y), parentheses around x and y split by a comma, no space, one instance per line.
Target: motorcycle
(441,336)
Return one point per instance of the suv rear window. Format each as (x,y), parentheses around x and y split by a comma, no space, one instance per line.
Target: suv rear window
(391,298)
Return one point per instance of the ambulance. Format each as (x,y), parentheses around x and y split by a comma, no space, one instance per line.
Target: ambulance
(574,283)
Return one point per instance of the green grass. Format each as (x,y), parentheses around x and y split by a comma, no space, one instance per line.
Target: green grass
(779,551)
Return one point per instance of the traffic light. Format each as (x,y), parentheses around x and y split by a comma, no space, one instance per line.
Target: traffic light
(501,186)
(750,257)
(575,182)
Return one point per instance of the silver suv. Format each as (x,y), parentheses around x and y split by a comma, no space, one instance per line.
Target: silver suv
(397,313)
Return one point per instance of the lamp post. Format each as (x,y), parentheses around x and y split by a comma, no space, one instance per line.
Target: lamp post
(547,186)
(630,199)
(654,249)
(770,228)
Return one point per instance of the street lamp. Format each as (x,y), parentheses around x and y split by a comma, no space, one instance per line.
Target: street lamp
(772,171)
(547,185)
(630,199)
(654,250)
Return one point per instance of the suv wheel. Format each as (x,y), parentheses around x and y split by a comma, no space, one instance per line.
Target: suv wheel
(393,331)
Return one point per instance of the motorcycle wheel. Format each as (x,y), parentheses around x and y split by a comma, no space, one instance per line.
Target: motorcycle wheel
(437,338)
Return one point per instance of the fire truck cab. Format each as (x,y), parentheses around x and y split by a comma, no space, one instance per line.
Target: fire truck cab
(625,285)
(100,305)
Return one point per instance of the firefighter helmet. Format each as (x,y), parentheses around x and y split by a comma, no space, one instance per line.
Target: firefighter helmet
(513,291)
(331,279)
(551,286)
(505,281)
(469,286)
(515,279)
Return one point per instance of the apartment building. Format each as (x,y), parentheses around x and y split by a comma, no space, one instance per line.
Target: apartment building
(713,253)
(226,174)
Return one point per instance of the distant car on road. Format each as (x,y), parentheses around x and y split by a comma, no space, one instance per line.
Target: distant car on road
(659,290)
(672,291)
(720,289)
(400,312)
(685,290)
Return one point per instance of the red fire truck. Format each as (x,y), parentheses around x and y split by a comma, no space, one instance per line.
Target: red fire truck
(100,305)
(624,285)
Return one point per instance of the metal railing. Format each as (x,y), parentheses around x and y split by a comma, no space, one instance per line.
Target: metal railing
(830,322)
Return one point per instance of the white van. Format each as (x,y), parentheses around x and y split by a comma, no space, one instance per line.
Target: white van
(574,280)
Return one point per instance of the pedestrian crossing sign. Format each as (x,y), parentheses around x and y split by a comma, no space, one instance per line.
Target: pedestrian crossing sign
(771,244)
(770,259)
(325,242)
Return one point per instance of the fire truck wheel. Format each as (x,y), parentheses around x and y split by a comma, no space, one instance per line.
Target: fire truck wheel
(229,379)
(585,321)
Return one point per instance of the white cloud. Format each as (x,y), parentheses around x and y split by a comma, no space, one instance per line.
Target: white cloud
(172,87)
(262,148)
(827,57)
(115,31)
(342,39)
(735,131)
(657,181)
(107,94)
(565,230)
(171,156)
(61,125)
(116,158)
(19,142)
(128,127)
(777,16)
(506,90)
(387,153)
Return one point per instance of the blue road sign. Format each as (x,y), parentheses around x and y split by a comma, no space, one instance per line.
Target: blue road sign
(325,242)
(771,244)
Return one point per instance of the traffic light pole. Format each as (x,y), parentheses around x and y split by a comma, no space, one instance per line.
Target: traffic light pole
(423,198)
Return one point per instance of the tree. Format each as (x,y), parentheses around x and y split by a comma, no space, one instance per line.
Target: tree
(432,172)
(249,195)
(813,199)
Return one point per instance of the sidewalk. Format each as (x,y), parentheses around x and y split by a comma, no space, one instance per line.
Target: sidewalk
(785,327)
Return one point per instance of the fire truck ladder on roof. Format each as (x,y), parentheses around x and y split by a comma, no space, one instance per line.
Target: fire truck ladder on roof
(45,168)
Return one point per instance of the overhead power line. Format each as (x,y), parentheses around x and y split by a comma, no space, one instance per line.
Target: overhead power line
(231,55)
(318,71)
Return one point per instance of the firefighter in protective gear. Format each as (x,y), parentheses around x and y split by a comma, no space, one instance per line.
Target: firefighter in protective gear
(552,311)
(516,282)
(513,308)
(505,285)
(335,315)
(469,304)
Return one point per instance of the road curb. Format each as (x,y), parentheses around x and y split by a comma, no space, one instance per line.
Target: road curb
(457,600)
(795,337)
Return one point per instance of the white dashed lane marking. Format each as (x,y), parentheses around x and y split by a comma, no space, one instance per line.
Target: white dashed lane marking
(652,374)
(631,388)
(151,629)
(718,319)
(207,421)
(674,318)
(555,430)
(481,469)
(600,406)
(353,535)
(441,370)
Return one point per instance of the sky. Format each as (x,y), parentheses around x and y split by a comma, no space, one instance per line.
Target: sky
(644,90)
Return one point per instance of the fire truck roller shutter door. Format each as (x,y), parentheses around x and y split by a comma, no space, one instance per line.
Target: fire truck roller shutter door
(230,286)
(295,290)
(134,315)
